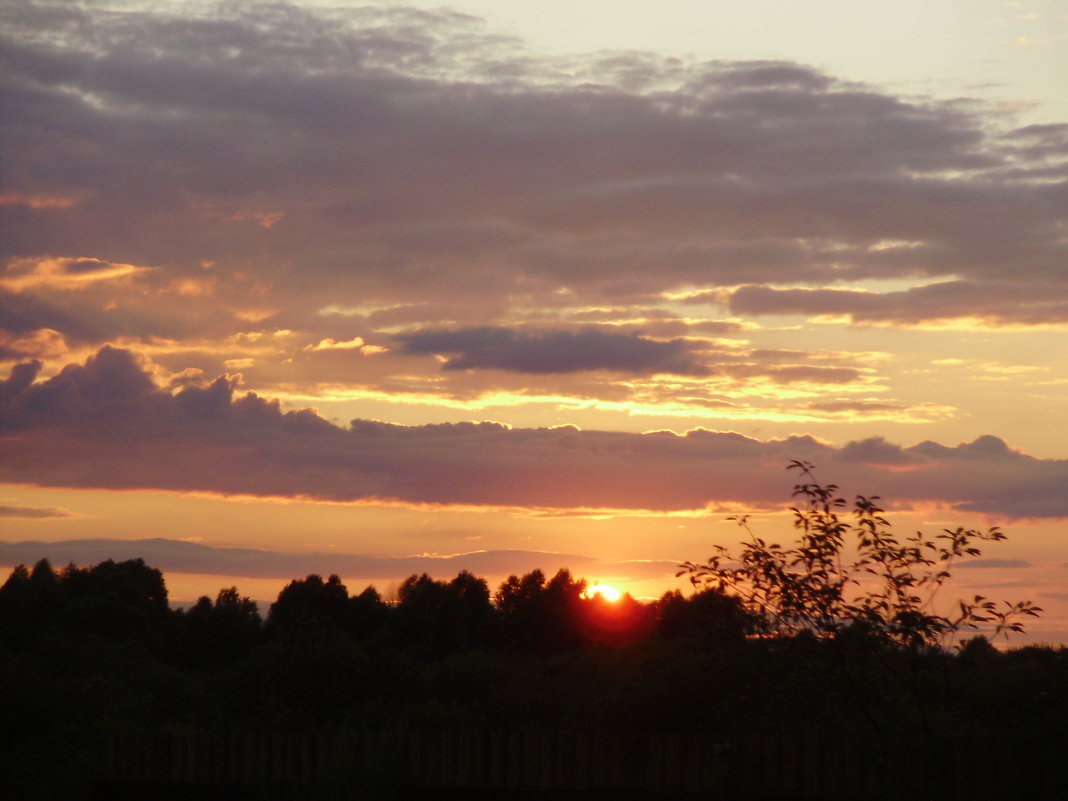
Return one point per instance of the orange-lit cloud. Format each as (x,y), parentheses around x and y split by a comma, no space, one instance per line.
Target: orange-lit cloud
(355,344)
(63,273)
(37,201)
(44,343)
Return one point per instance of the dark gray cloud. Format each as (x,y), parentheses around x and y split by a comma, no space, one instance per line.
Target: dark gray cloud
(996,302)
(555,351)
(607,349)
(1041,141)
(105,424)
(415,156)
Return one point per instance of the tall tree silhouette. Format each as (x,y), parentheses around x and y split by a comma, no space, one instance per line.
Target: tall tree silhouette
(310,602)
(27,601)
(112,600)
(440,616)
(541,615)
(368,614)
(221,631)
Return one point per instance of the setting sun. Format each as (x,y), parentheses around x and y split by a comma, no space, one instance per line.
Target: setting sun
(606,591)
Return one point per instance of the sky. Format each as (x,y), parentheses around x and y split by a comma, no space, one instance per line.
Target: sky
(378,289)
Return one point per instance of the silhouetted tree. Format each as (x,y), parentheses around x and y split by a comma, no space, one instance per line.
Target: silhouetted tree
(539,615)
(115,601)
(19,622)
(29,602)
(45,585)
(310,602)
(368,614)
(885,588)
(120,600)
(442,617)
(469,613)
(710,613)
(221,631)
(516,594)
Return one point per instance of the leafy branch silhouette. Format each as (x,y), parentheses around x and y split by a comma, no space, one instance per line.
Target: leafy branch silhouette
(854,575)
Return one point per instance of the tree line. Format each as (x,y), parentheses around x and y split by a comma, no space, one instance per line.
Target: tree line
(89,651)
(127,602)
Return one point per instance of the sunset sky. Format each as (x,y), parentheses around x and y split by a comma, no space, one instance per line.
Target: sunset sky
(378,289)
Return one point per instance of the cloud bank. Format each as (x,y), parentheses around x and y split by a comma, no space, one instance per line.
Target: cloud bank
(188,557)
(106,424)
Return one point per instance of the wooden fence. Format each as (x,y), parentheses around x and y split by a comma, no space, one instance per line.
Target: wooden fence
(578,764)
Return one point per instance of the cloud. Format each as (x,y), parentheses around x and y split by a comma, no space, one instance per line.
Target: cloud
(106,424)
(189,557)
(186,557)
(356,343)
(63,274)
(25,314)
(787,374)
(606,349)
(405,156)
(994,303)
(869,409)
(33,512)
(41,343)
(555,351)
(995,563)
(876,450)
(859,406)
(36,201)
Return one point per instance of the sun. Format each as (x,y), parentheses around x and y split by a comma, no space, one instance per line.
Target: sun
(606,591)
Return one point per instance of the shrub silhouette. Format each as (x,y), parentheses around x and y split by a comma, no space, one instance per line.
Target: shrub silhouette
(885,592)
